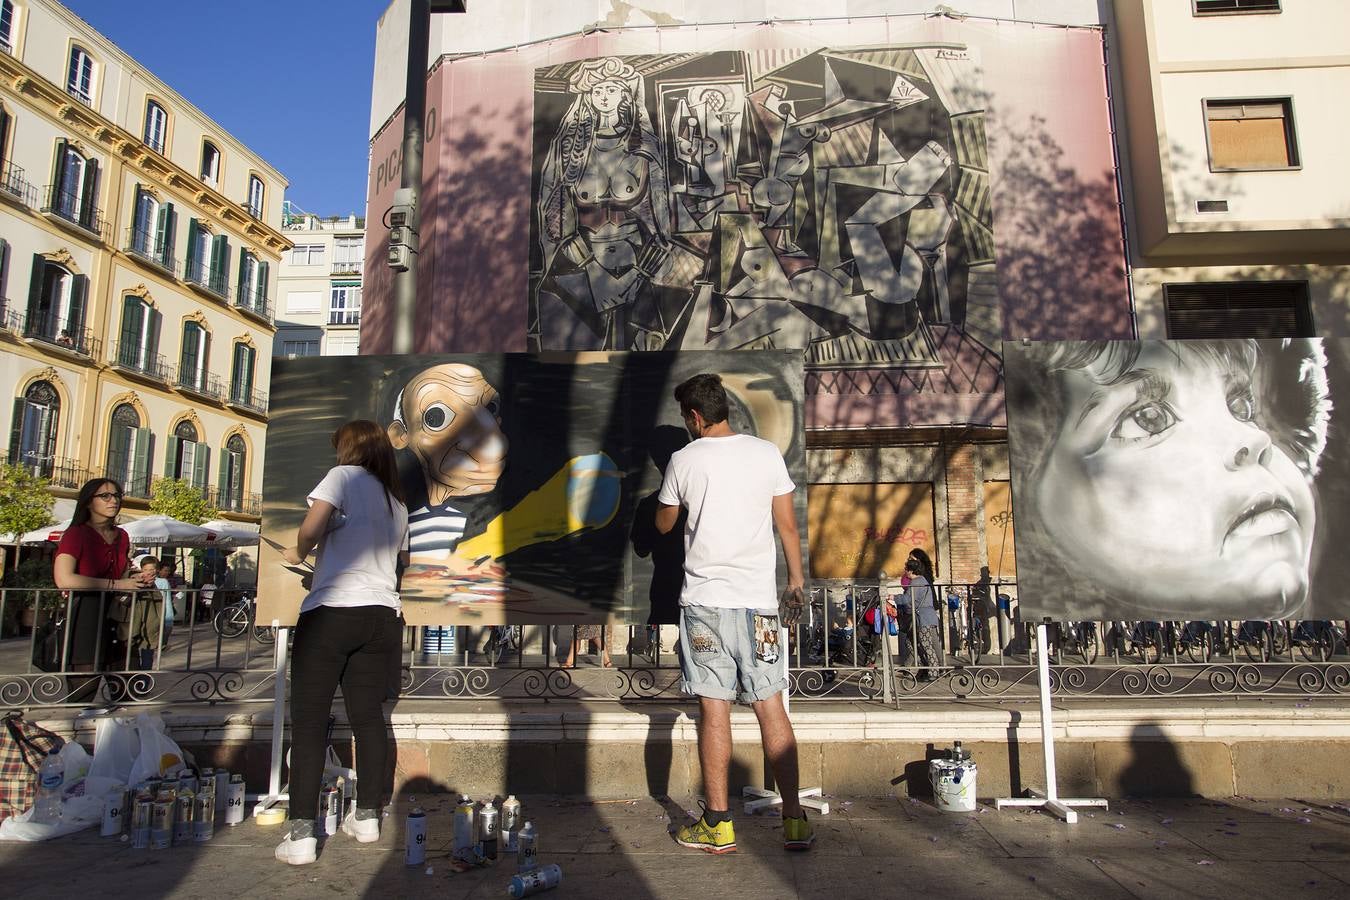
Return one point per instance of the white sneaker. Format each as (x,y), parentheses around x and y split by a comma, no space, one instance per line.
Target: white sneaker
(298,853)
(364,830)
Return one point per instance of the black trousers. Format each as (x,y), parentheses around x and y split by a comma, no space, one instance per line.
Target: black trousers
(350,646)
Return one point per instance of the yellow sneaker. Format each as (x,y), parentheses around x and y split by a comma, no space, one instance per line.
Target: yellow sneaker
(797,833)
(719,838)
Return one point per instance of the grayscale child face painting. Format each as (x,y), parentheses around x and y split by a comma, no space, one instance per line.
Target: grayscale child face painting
(1162,480)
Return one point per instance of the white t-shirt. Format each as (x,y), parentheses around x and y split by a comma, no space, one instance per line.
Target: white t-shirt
(728,485)
(357,559)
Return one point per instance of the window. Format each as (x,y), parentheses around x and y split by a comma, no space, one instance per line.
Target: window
(1251,134)
(307,255)
(210,164)
(344,344)
(255,197)
(344,306)
(292,349)
(241,374)
(252,288)
(80,80)
(7,34)
(187,458)
(56,304)
(1228,7)
(129,447)
(192,361)
(348,255)
(152,230)
(138,344)
(1238,309)
(32,437)
(230,487)
(301,303)
(74,194)
(208,259)
(156,125)
(4,284)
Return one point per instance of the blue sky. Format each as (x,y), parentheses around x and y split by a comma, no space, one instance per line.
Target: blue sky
(289,78)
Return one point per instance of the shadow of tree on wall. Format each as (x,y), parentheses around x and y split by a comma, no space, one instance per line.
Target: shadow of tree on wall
(1060,257)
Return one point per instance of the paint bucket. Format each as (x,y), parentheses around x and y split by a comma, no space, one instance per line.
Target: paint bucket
(953,784)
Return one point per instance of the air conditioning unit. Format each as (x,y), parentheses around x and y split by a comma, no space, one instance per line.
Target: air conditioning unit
(1211,206)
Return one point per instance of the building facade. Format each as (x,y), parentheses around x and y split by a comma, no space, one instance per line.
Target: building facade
(139,243)
(1235,152)
(319,287)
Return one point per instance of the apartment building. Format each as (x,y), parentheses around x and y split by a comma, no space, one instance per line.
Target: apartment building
(319,286)
(138,248)
(1235,158)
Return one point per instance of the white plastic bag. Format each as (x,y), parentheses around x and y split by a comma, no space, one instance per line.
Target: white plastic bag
(116,746)
(76,761)
(159,756)
(333,767)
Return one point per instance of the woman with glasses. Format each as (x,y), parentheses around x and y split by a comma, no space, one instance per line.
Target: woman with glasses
(91,562)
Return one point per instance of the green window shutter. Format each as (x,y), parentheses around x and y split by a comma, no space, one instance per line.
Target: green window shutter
(35,289)
(16,429)
(193,263)
(220,262)
(200,456)
(59,170)
(79,293)
(89,196)
(4,268)
(263,270)
(141,445)
(187,361)
(241,288)
(223,477)
(252,364)
(133,323)
(164,235)
(170,455)
(152,336)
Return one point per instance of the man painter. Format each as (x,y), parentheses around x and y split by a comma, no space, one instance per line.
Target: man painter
(737,490)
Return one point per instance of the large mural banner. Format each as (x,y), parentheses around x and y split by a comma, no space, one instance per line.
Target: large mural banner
(832,200)
(531,479)
(1181,480)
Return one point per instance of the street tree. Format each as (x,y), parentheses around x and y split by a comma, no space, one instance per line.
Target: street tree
(181,500)
(25,503)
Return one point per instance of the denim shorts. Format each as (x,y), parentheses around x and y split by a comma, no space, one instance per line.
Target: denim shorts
(731,654)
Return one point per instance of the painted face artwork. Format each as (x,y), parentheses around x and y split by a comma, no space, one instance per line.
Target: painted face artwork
(1162,483)
(449,421)
(607,95)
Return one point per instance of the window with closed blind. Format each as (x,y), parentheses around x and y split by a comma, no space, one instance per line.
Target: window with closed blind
(1251,135)
(1238,309)
(1229,7)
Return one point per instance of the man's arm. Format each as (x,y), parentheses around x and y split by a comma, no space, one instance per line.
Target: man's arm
(785,520)
(666,517)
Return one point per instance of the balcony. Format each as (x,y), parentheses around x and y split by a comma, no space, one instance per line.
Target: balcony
(344,317)
(7,45)
(236,501)
(144,247)
(132,359)
(68,208)
(56,333)
(86,99)
(248,401)
(214,285)
(16,188)
(201,384)
(347,268)
(256,305)
(70,474)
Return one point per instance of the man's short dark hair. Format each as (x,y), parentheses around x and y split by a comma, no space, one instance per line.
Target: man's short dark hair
(704,395)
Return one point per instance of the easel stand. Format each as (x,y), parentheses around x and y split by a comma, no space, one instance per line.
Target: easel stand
(276,792)
(762,798)
(1049,799)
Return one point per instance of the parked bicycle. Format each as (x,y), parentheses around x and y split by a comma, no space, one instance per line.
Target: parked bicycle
(237,617)
(1316,640)
(502,639)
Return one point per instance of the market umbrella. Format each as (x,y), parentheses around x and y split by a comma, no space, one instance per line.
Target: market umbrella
(231,534)
(159,530)
(51,533)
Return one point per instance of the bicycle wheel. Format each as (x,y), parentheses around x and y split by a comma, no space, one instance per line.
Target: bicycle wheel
(1280,639)
(1085,643)
(1148,644)
(1198,647)
(972,646)
(231,621)
(264,634)
(493,648)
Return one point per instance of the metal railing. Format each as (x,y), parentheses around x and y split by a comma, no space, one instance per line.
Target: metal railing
(70,206)
(55,331)
(199,275)
(256,304)
(835,654)
(133,357)
(16,186)
(202,384)
(352,267)
(253,401)
(146,247)
(243,502)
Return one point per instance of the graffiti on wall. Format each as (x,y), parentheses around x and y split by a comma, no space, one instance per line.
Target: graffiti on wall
(862,530)
(835,201)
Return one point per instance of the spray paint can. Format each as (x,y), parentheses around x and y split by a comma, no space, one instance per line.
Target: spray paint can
(140,820)
(487,830)
(205,775)
(222,788)
(114,812)
(187,781)
(415,852)
(204,817)
(329,800)
(510,826)
(536,882)
(527,849)
(182,818)
(161,822)
(234,800)
(463,841)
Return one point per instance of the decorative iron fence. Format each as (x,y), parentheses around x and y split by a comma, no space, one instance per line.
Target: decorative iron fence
(215,652)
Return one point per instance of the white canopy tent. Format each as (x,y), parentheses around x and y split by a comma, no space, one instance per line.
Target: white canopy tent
(231,534)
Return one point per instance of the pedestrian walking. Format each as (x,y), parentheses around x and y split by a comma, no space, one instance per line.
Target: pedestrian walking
(737,490)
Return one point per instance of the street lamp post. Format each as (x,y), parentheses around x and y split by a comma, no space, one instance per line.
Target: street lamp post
(403,233)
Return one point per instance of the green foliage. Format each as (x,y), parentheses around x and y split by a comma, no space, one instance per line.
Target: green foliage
(181,500)
(25,504)
(34,572)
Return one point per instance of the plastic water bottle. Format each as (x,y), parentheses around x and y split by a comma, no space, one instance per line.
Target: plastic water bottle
(51,780)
